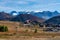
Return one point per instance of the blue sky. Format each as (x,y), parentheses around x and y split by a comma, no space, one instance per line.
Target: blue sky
(29,5)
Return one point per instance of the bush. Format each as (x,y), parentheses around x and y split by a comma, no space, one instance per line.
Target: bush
(35,31)
(26,30)
(3,29)
(6,29)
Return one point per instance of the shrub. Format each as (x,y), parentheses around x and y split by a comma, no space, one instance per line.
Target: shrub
(35,31)
(3,29)
(26,30)
(6,29)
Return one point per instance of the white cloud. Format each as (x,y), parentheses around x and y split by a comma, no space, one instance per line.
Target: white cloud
(1,7)
(31,0)
(7,9)
(37,5)
(45,17)
(12,1)
(55,4)
(21,2)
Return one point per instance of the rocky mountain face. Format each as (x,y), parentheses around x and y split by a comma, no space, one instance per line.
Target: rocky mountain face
(45,14)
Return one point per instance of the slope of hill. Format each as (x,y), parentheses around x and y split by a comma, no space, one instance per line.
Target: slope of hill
(5,16)
(54,20)
(11,25)
(24,17)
